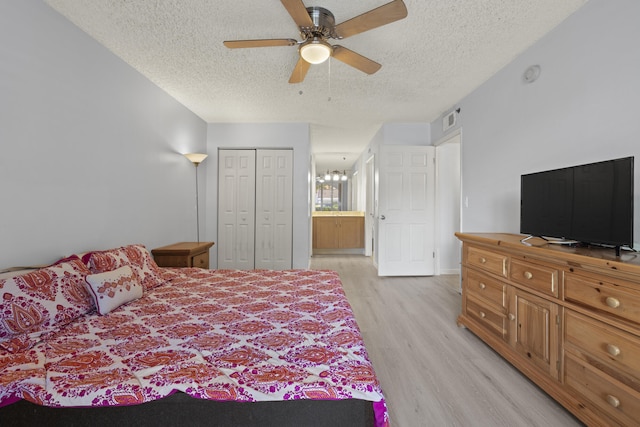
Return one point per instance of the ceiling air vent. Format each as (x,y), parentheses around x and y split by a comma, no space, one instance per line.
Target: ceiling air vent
(449,121)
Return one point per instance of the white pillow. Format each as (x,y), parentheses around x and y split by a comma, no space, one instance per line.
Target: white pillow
(113,288)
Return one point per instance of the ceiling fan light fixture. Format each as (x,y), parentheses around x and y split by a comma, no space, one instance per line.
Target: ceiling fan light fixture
(315,51)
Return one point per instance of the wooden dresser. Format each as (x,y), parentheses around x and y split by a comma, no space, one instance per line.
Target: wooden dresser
(184,254)
(567,318)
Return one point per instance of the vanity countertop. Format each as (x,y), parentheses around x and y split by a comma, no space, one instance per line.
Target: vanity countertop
(337,213)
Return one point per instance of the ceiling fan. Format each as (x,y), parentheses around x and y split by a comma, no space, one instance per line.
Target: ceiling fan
(317,25)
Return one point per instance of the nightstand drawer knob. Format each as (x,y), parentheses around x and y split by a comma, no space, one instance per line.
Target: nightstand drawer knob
(482,314)
(613,401)
(483,260)
(482,285)
(613,350)
(512,317)
(528,275)
(612,302)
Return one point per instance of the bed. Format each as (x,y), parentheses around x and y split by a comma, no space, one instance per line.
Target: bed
(110,337)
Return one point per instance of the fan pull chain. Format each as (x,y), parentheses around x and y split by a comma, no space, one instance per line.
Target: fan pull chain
(329,61)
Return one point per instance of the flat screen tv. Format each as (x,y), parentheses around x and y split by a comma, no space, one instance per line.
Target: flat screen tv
(590,203)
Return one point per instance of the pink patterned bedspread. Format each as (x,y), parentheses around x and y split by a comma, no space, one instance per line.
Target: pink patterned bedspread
(212,334)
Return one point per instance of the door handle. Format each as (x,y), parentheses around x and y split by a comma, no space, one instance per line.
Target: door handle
(382,217)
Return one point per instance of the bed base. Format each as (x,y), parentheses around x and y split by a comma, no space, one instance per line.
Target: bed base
(180,409)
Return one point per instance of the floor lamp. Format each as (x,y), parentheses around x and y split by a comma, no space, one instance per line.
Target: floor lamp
(196,159)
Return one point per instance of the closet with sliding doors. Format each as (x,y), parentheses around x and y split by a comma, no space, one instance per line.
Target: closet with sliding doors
(255,209)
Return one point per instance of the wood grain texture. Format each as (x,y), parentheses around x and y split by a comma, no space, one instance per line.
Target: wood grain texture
(433,372)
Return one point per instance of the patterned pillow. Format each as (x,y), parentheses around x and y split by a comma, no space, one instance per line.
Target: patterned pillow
(113,288)
(135,256)
(42,301)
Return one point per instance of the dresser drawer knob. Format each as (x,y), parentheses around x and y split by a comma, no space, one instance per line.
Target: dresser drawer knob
(482,314)
(613,350)
(613,401)
(612,302)
(483,260)
(528,275)
(482,285)
(512,317)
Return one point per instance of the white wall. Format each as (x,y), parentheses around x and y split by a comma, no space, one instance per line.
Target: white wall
(406,134)
(89,148)
(583,108)
(265,135)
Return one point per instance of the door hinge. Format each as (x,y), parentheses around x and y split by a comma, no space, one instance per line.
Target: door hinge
(557,319)
(434,254)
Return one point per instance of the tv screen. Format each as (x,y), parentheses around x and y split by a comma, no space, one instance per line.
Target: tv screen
(590,203)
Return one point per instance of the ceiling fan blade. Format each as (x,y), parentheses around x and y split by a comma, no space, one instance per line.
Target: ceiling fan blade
(355,60)
(375,18)
(235,44)
(300,71)
(298,12)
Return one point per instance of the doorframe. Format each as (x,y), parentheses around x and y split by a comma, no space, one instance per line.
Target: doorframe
(369,207)
(457,133)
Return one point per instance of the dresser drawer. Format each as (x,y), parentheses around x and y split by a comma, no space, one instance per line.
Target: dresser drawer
(602,296)
(183,254)
(619,349)
(493,320)
(487,289)
(613,398)
(201,260)
(536,277)
(489,261)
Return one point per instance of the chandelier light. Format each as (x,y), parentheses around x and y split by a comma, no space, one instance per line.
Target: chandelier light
(335,176)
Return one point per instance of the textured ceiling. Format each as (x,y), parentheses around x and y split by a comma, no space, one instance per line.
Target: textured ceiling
(441,52)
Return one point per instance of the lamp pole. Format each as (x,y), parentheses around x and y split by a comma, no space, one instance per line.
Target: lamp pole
(197,206)
(196,159)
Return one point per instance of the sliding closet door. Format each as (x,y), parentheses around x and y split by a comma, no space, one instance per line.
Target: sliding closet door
(274,209)
(236,209)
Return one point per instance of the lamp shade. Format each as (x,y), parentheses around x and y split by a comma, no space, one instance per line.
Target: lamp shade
(315,51)
(196,158)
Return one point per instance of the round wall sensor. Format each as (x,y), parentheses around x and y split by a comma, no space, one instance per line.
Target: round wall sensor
(531,74)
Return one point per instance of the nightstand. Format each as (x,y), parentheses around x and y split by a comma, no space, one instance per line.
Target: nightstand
(184,254)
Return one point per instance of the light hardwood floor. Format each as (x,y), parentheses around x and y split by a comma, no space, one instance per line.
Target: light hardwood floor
(432,372)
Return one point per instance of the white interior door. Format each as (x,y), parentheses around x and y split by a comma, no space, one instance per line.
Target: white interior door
(236,209)
(274,209)
(406,229)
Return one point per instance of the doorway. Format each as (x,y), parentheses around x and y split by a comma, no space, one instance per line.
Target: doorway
(448,203)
